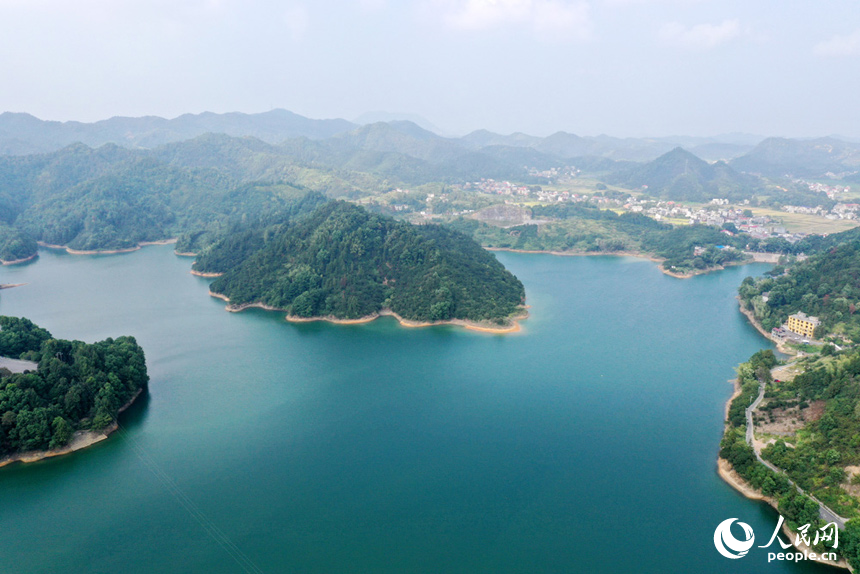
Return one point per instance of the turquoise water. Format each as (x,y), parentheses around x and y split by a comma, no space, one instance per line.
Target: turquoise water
(586,443)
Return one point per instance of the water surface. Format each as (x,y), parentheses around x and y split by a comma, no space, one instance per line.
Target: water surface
(586,443)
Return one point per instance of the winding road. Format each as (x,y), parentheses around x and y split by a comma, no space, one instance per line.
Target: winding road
(823,511)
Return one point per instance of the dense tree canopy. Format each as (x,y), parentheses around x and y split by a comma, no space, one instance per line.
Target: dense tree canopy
(345,262)
(14,244)
(826,285)
(798,509)
(590,230)
(76,386)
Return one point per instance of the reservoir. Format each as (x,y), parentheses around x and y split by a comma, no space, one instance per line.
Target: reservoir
(586,443)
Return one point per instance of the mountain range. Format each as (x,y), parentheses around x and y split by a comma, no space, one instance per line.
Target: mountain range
(368,141)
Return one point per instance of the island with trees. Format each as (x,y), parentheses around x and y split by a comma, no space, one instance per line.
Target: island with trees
(343,263)
(72,395)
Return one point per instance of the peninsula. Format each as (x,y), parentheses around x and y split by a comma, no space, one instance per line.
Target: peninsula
(791,436)
(57,396)
(342,262)
(742,462)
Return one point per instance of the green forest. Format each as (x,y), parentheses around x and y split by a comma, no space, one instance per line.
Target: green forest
(14,244)
(825,285)
(76,386)
(579,229)
(798,509)
(345,262)
(816,456)
(111,197)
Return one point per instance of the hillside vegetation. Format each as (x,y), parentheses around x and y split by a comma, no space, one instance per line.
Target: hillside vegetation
(797,509)
(577,229)
(198,175)
(826,285)
(344,262)
(76,386)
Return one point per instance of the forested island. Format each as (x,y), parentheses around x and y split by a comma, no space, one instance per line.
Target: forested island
(342,262)
(73,394)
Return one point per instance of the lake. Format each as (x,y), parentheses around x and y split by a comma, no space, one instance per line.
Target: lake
(586,443)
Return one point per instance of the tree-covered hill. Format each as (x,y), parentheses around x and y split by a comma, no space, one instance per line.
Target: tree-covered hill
(578,229)
(826,285)
(76,386)
(22,134)
(777,157)
(680,175)
(344,262)
(113,198)
(14,244)
(148,201)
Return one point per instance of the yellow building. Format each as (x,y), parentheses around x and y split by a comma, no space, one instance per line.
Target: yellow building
(802,324)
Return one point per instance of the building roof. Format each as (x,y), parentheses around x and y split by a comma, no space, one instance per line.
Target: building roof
(801,316)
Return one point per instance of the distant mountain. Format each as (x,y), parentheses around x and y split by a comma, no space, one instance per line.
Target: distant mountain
(680,175)
(777,157)
(22,134)
(379,116)
(567,145)
(450,159)
(719,151)
(735,138)
(402,137)
(483,138)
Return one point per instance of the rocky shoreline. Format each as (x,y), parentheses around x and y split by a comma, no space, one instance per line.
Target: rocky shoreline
(19,261)
(107,251)
(80,440)
(483,327)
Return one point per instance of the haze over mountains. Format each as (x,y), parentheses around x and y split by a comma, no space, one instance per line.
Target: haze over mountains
(22,134)
(418,149)
(118,182)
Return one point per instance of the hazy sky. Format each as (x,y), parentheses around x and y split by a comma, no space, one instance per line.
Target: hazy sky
(621,67)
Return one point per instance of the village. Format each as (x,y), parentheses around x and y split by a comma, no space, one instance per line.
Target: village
(718,212)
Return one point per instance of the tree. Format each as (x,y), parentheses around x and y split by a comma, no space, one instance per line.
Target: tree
(62,433)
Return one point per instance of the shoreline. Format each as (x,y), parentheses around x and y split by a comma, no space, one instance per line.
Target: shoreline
(780,346)
(733,479)
(141,244)
(727,473)
(80,440)
(636,254)
(19,261)
(514,327)
(736,384)
(204,274)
